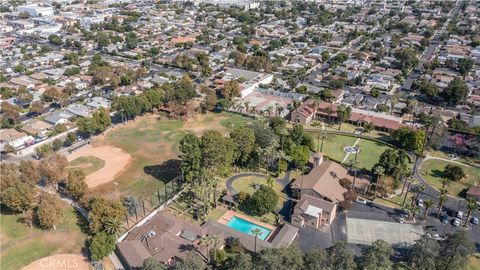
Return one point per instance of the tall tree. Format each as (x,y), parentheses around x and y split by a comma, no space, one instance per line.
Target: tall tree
(283,258)
(244,140)
(76,185)
(153,264)
(239,261)
(424,253)
(341,257)
(343,114)
(18,197)
(455,251)
(471,207)
(102,211)
(453,172)
(52,168)
(49,210)
(191,156)
(378,256)
(316,259)
(29,172)
(102,245)
(190,261)
(456,91)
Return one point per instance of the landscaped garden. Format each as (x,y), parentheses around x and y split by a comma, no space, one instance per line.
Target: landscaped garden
(22,245)
(155,151)
(87,164)
(432,171)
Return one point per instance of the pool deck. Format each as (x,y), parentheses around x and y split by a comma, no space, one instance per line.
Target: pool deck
(230,214)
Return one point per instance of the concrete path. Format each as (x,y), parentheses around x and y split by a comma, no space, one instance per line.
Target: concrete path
(348,154)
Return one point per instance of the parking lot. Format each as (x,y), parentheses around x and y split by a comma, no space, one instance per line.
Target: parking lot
(363,231)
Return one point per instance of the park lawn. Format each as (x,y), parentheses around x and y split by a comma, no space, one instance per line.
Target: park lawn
(153,144)
(431,170)
(369,154)
(87,164)
(22,245)
(333,145)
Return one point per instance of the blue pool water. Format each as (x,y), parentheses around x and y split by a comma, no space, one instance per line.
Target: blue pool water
(246,227)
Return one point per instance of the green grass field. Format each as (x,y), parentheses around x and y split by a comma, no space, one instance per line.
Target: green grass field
(153,144)
(333,148)
(370,152)
(87,164)
(22,245)
(431,170)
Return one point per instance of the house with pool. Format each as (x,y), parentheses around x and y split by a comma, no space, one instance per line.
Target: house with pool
(168,238)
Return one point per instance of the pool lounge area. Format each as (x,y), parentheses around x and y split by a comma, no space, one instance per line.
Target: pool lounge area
(246,225)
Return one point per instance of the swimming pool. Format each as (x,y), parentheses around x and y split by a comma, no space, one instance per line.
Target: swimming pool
(246,227)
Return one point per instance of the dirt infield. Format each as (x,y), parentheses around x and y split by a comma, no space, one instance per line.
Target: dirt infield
(116,161)
(60,262)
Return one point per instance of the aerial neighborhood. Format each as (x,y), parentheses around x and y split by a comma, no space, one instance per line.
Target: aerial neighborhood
(240,134)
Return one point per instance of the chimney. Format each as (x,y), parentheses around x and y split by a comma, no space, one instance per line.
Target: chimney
(317,159)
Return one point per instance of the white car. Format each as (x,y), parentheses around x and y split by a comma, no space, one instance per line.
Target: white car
(420,202)
(361,200)
(475,220)
(456,222)
(460,214)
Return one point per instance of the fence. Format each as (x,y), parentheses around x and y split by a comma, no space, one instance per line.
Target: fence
(140,208)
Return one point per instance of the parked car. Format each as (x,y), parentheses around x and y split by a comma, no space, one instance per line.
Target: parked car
(444,218)
(475,220)
(420,202)
(456,222)
(460,214)
(361,200)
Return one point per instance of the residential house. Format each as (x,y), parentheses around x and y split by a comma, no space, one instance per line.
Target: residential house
(17,140)
(58,117)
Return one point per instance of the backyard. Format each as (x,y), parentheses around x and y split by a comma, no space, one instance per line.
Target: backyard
(155,151)
(21,245)
(432,171)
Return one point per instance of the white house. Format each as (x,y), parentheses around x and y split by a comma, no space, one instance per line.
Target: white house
(35,10)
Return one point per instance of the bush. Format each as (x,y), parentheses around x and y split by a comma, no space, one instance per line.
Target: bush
(102,245)
(242,197)
(264,200)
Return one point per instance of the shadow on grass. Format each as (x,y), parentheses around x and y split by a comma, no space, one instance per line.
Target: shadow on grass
(437,173)
(164,172)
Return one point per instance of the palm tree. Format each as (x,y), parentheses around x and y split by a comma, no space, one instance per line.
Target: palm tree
(418,190)
(321,135)
(215,241)
(270,181)
(206,241)
(112,226)
(428,204)
(378,171)
(414,211)
(471,206)
(256,232)
(442,199)
(445,182)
